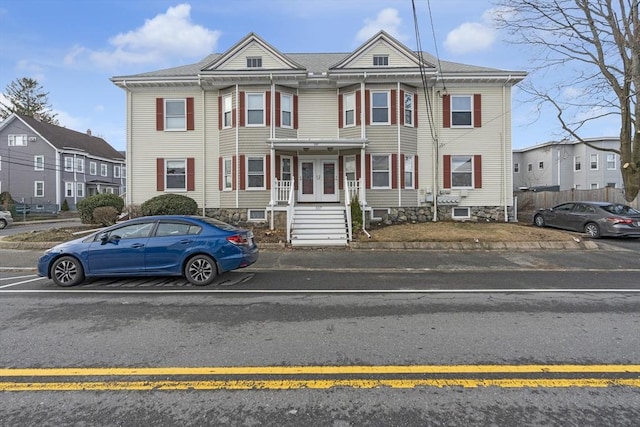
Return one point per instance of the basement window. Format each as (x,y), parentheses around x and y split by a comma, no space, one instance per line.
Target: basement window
(460,213)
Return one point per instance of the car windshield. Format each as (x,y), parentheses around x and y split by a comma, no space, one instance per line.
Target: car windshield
(621,210)
(220,224)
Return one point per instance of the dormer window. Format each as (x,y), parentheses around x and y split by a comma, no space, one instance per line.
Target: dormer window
(254,62)
(380,60)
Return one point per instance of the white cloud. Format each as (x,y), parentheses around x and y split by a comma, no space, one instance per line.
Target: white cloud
(168,36)
(573,92)
(388,20)
(472,36)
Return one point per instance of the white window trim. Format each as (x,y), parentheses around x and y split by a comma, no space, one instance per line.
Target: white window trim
(384,58)
(247,124)
(79,189)
(282,111)
(103,170)
(264,178)
(456,217)
(591,162)
(79,164)
(470,111)
(347,160)
(68,189)
(227,108)
(388,172)
(186,172)
(410,161)
(346,108)
(38,162)
(577,161)
(68,164)
(472,173)
(227,173)
(409,95)
(93,168)
(516,167)
(615,162)
(376,210)
(35,189)
(251,59)
(252,211)
(290,158)
(13,140)
(166,125)
(116,171)
(388,108)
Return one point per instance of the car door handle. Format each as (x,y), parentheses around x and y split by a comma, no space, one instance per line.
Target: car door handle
(186,241)
(137,245)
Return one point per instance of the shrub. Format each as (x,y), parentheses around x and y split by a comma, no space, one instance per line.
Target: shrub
(87,206)
(105,215)
(6,200)
(169,204)
(65,206)
(134,211)
(356,214)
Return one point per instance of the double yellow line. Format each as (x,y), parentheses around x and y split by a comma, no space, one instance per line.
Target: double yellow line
(320,377)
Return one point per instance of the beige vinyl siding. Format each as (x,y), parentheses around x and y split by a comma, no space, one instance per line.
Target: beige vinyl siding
(239,60)
(396,59)
(382,139)
(286,133)
(408,140)
(318,113)
(350,132)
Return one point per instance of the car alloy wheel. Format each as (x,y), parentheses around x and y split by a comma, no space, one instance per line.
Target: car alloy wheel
(539,220)
(3,224)
(67,271)
(200,270)
(592,230)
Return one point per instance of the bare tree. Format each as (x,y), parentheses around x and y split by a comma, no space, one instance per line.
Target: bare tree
(27,97)
(596,46)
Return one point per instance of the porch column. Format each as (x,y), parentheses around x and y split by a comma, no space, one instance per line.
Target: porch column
(274,189)
(363,180)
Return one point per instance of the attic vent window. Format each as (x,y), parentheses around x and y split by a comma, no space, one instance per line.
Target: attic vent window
(254,62)
(380,60)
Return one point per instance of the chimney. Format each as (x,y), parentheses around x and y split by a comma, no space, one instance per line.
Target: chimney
(89,132)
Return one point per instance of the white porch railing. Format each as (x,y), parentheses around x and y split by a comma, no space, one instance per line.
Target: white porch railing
(347,205)
(281,189)
(290,208)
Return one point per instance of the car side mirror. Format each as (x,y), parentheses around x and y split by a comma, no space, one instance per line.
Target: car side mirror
(104,237)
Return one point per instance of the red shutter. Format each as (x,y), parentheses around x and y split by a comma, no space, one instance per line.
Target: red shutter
(220,175)
(219,112)
(446,171)
(367,107)
(234,172)
(241,109)
(415,111)
(340,172)
(267,176)
(340,112)
(358,168)
(191,174)
(394,171)
(477,110)
(367,170)
(295,111)
(278,109)
(415,172)
(159,113)
(295,171)
(446,111)
(243,184)
(160,174)
(191,121)
(268,108)
(278,166)
(402,183)
(477,171)
(402,107)
(358,108)
(394,107)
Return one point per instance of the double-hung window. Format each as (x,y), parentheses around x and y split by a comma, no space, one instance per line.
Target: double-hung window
(103,169)
(93,168)
(227,174)
(255,109)
(79,189)
(380,107)
(116,171)
(381,171)
(462,171)
(593,162)
(516,168)
(68,189)
(461,109)
(227,106)
(255,173)
(176,174)
(286,107)
(611,162)
(68,164)
(38,163)
(15,140)
(38,189)
(285,168)
(175,114)
(408,109)
(409,162)
(349,109)
(79,164)
(577,163)
(350,167)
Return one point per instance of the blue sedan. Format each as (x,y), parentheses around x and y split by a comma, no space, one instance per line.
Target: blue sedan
(198,248)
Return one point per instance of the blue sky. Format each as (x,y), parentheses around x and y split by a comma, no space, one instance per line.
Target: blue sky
(73,47)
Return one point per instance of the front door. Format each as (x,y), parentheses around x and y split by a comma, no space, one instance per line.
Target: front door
(318,178)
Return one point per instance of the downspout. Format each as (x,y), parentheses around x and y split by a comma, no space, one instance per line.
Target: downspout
(204,151)
(128,151)
(435,151)
(272,152)
(58,180)
(237,130)
(363,152)
(398,160)
(504,154)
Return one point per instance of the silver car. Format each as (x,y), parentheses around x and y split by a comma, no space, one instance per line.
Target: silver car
(596,219)
(5,219)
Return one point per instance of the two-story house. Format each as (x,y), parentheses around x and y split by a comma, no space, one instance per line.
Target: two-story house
(568,164)
(42,164)
(253,133)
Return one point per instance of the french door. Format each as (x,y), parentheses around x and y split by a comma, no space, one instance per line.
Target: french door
(318,180)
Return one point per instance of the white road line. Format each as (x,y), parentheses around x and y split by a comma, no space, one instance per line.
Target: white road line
(320,291)
(16,277)
(20,283)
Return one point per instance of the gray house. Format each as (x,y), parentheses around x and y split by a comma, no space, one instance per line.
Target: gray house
(565,165)
(43,165)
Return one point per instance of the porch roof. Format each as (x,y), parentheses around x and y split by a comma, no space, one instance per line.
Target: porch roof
(313,143)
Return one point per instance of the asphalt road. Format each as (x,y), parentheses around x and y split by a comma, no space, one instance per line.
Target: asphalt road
(319,338)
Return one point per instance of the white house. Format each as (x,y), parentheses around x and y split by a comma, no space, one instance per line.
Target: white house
(257,134)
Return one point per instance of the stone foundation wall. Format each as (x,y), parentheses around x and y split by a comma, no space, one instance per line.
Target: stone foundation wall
(425,214)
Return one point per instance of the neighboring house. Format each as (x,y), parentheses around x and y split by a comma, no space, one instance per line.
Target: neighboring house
(415,138)
(565,165)
(43,164)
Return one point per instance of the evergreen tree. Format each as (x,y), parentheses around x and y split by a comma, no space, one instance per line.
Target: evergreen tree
(27,97)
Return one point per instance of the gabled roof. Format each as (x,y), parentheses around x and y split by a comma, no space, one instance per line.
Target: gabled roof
(66,139)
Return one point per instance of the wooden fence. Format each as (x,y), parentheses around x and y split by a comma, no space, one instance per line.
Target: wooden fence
(528,201)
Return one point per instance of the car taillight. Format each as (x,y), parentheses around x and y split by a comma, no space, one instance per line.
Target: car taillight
(620,220)
(237,239)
